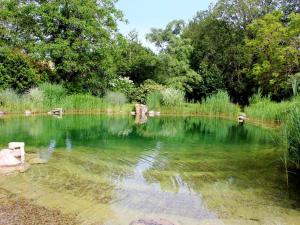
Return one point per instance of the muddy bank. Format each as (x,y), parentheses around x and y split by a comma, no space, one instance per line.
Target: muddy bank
(18,211)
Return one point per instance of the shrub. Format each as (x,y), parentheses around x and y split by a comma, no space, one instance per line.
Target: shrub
(123,85)
(115,98)
(172,97)
(145,89)
(153,100)
(16,70)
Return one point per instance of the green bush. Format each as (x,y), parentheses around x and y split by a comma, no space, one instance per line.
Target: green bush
(123,85)
(172,97)
(16,71)
(144,90)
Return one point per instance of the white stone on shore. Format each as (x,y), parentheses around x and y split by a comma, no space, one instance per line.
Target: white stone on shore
(18,149)
(7,158)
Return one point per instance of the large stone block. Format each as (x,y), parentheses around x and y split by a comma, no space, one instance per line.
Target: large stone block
(18,149)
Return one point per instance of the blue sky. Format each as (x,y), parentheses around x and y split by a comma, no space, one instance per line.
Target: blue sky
(145,14)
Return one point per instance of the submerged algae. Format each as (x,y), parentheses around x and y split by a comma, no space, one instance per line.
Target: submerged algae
(197,171)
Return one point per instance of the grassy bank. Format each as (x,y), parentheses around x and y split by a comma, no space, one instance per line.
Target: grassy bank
(170,102)
(47,97)
(216,105)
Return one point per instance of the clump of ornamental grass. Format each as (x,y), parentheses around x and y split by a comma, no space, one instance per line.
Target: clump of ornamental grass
(115,98)
(82,102)
(264,109)
(292,130)
(172,97)
(9,100)
(153,100)
(218,104)
(52,93)
(33,100)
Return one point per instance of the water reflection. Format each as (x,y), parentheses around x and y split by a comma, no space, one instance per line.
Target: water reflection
(195,168)
(149,197)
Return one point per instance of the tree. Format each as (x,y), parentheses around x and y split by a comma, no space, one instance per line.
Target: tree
(273,48)
(163,37)
(135,61)
(243,12)
(16,70)
(290,6)
(216,56)
(173,68)
(75,35)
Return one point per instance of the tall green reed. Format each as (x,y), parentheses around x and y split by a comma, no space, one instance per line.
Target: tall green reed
(153,100)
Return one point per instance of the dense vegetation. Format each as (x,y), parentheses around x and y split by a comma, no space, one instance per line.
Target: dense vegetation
(71,54)
(238,46)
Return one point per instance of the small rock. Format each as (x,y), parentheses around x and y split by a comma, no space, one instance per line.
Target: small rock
(151,113)
(152,222)
(28,112)
(7,159)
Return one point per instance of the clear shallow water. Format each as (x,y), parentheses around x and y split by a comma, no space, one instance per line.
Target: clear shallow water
(109,170)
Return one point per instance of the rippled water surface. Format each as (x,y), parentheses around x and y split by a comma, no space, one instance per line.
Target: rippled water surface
(109,170)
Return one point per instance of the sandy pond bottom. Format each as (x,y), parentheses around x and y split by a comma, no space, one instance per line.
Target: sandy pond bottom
(109,170)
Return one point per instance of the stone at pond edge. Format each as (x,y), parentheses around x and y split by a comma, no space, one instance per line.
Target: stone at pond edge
(32,159)
(7,158)
(152,222)
(27,112)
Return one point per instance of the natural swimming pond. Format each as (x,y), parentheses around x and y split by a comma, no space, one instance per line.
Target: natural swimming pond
(109,170)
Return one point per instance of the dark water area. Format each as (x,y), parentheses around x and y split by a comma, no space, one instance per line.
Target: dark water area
(110,170)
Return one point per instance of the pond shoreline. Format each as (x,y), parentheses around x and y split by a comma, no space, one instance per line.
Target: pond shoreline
(103,168)
(17,210)
(253,121)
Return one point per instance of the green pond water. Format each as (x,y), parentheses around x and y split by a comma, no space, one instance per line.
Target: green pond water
(109,170)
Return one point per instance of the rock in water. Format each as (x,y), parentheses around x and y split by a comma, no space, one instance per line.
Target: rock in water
(152,222)
(27,112)
(151,113)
